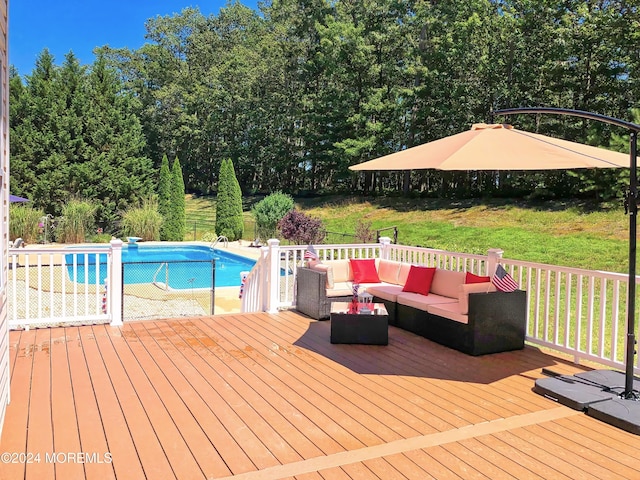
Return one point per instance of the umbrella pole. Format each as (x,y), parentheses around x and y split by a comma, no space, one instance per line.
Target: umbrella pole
(632,206)
(631,301)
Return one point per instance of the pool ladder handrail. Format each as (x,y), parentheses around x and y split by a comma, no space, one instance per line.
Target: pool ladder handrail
(221,238)
(155,275)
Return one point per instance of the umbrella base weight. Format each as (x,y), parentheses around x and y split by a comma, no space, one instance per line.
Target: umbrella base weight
(598,394)
(619,412)
(571,393)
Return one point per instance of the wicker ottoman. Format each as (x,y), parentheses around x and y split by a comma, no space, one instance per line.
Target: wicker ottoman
(361,328)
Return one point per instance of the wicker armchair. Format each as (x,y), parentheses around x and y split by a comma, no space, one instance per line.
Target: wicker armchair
(311,294)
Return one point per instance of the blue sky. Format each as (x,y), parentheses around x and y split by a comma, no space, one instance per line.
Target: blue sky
(82,25)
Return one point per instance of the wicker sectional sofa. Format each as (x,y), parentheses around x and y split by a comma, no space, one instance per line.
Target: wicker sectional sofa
(473,318)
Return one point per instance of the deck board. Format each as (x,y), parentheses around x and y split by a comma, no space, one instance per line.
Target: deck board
(224,402)
(153,397)
(16,423)
(294,408)
(39,426)
(214,417)
(88,419)
(246,377)
(268,396)
(65,432)
(552,464)
(313,384)
(250,407)
(353,400)
(184,423)
(126,460)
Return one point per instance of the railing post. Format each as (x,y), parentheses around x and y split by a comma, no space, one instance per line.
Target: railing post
(273,276)
(262,288)
(115,283)
(385,250)
(494,255)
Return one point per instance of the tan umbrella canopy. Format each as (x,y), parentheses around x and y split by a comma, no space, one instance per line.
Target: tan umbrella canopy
(498,147)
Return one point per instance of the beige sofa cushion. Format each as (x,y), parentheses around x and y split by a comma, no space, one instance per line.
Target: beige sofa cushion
(341,270)
(466,289)
(388,271)
(448,310)
(403,273)
(321,267)
(385,291)
(447,283)
(421,302)
(340,289)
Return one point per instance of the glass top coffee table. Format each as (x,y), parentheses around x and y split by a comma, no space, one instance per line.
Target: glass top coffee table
(366,324)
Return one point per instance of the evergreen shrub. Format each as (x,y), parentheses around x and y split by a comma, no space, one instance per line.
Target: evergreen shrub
(164,196)
(177,211)
(269,211)
(229,219)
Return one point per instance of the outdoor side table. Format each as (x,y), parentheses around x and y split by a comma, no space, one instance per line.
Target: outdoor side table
(366,328)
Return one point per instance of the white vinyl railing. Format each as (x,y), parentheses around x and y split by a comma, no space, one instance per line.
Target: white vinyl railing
(58,285)
(579,312)
(254,293)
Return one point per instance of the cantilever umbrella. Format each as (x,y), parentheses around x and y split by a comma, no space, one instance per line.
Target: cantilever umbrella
(502,147)
(498,147)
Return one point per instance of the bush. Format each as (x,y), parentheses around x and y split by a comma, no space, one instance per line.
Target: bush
(144,221)
(164,196)
(101,238)
(177,226)
(229,220)
(78,219)
(24,222)
(301,228)
(269,211)
(364,234)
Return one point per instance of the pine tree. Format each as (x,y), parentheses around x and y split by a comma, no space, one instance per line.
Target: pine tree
(164,196)
(229,203)
(74,133)
(177,218)
(238,223)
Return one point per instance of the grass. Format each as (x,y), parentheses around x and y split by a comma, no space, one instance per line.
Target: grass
(558,233)
(573,234)
(201,216)
(201,219)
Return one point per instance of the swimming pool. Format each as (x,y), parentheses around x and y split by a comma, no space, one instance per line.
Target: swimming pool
(189,266)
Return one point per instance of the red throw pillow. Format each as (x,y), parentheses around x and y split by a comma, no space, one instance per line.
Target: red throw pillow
(364,271)
(419,280)
(471,278)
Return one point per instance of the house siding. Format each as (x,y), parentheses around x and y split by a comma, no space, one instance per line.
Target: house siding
(4,206)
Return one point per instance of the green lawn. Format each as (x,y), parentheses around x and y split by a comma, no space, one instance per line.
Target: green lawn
(201,219)
(572,234)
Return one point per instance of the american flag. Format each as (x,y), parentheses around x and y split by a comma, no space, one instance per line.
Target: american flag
(243,282)
(310,253)
(503,281)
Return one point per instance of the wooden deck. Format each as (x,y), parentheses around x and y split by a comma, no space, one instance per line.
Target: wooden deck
(267,396)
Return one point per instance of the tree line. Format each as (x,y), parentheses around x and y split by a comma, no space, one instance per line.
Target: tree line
(297,91)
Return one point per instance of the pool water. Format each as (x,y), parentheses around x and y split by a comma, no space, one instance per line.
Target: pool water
(190,266)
